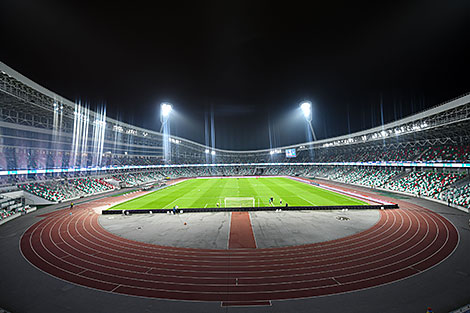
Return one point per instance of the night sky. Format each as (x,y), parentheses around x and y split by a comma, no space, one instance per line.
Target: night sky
(249,63)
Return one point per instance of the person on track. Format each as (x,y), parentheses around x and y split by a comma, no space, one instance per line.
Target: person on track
(71,205)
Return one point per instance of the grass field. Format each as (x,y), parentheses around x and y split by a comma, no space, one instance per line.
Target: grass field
(206,193)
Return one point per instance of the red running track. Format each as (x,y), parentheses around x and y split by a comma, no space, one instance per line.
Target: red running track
(77,249)
(241,231)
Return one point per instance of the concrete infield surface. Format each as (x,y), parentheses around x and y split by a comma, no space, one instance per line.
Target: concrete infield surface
(211,230)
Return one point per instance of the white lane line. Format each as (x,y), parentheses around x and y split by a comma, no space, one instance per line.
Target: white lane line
(336,280)
(413,268)
(298,262)
(166,258)
(309,288)
(82,271)
(115,288)
(83,224)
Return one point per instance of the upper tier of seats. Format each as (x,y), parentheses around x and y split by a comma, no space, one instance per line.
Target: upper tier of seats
(13,158)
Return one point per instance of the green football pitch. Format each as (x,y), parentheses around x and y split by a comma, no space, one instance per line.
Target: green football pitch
(237,192)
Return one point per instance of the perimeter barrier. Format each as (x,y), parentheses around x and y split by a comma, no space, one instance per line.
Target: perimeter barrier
(249,209)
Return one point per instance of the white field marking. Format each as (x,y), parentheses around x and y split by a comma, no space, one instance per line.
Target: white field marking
(336,280)
(169,204)
(414,268)
(45,261)
(345,192)
(81,272)
(306,200)
(205,206)
(115,288)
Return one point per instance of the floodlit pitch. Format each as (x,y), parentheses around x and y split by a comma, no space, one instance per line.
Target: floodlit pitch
(236,192)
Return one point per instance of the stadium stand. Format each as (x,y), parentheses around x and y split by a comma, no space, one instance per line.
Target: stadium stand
(11,206)
(447,153)
(38,152)
(428,184)
(91,186)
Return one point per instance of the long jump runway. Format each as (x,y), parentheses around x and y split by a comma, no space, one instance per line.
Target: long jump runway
(75,248)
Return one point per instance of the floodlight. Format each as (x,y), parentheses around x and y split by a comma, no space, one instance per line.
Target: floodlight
(207,151)
(213,152)
(166,109)
(306,107)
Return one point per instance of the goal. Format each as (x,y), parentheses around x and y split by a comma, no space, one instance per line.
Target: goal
(239,202)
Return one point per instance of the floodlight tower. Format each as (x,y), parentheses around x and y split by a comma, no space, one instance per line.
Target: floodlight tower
(306,107)
(165,110)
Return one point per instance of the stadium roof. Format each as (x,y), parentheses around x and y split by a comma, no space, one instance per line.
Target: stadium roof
(445,117)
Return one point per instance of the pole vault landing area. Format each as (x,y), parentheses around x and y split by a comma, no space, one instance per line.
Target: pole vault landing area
(249,259)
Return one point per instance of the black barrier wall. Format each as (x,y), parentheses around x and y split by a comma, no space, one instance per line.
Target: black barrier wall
(248,209)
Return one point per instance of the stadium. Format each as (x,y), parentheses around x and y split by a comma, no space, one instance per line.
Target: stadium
(101,215)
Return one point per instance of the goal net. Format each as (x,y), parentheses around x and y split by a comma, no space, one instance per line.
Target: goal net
(239,202)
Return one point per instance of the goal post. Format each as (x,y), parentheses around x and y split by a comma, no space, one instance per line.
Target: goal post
(239,202)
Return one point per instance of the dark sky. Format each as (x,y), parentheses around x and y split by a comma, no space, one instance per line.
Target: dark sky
(251,63)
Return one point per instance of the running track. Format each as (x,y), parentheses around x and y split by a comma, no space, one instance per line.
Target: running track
(77,249)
